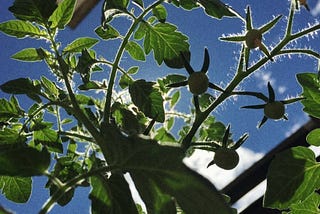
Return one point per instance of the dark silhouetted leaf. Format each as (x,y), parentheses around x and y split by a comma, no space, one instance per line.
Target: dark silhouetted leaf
(112,8)
(111,195)
(23,161)
(33,10)
(154,167)
(16,189)
(216,8)
(148,99)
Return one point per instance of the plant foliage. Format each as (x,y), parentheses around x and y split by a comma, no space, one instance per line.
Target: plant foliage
(132,135)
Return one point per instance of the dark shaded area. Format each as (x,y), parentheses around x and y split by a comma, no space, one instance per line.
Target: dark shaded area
(253,176)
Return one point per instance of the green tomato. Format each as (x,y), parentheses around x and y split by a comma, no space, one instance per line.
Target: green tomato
(274,110)
(198,83)
(253,38)
(226,158)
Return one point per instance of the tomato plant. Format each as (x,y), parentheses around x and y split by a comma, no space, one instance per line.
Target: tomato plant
(132,136)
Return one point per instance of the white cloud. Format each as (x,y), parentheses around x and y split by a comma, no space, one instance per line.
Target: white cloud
(316,10)
(263,77)
(219,177)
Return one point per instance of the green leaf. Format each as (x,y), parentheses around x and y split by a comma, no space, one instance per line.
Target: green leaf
(11,136)
(148,99)
(111,195)
(160,12)
(23,161)
(33,10)
(21,29)
(48,137)
(107,32)
(186,4)
(166,42)
(216,8)
(10,109)
(311,91)
(309,205)
(16,189)
(62,14)
(313,138)
(91,85)
(212,130)
(205,100)
(135,51)
(85,64)
(292,177)
(164,136)
(28,55)
(22,86)
(133,70)
(49,87)
(125,81)
(112,8)
(154,167)
(79,44)
(174,99)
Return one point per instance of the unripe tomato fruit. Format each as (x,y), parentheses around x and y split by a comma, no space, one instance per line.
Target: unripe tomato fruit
(253,38)
(198,83)
(274,110)
(226,158)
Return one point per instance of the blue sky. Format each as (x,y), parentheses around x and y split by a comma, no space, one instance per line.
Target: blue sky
(203,32)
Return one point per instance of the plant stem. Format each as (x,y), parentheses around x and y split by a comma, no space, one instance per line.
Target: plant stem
(65,187)
(65,70)
(107,107)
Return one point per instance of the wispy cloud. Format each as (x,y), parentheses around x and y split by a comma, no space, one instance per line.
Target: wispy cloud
(263,77)
(316,10)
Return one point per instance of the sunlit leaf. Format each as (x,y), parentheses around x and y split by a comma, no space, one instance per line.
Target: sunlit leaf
(291,178)
(166,42)
(313,138)
(160,12)
(33,10)
(79,44)
(309,205)
(9,109)
(62,14)
(49,138)
(162,135)
(23,161)
(311,91)
(21,29)
(28,55)
(49,87)
(10,136)
(111,195)
(135,51)
(174,99)
(148,99)
(107,32)
(125,81)
(16,189)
